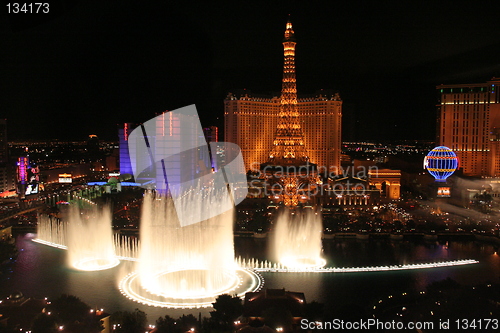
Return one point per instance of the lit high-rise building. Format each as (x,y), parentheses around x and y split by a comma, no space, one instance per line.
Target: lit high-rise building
(6,169)
(123,133)
(469,124)
(251,122)
(211,134)
(170,145)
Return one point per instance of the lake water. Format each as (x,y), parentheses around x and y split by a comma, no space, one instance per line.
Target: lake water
(41,271)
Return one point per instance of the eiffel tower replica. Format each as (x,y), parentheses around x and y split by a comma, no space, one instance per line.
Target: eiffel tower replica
(288,166)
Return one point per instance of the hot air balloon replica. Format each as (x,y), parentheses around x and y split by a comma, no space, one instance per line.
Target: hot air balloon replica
(441,162)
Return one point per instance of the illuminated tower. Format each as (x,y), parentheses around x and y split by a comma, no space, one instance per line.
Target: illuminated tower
(312,123)
(288,163)
(288,146)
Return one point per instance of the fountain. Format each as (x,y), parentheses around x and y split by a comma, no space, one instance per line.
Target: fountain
(51,231)
(126,248)
(297,239)
(185,267)
(87,235)
(188,267)
(90,239)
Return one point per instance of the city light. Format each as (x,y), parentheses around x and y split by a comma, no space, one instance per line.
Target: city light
(371,268)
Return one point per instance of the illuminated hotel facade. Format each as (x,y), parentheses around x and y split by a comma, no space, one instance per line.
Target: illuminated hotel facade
(6,170)
(469,124)
(166,135)
(251,121)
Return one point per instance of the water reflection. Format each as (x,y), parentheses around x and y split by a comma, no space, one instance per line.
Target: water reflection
(40,271)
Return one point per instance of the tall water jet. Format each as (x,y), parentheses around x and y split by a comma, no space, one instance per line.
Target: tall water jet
(186,266)
(184,262)
(89,239)
(297,239)
(51,231)
(126,247)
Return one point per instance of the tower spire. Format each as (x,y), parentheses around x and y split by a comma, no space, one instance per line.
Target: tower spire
(289,34)
(288,145)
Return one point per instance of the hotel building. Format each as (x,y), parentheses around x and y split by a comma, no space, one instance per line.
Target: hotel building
(251,122)
(469,124)
(6,169)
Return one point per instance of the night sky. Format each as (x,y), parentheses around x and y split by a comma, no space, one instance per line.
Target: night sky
(88,66)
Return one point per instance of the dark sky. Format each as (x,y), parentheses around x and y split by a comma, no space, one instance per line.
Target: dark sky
(89,65)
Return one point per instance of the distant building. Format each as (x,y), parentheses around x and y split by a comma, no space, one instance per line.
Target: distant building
(22,175)
(93,147)
(257,304)
(211,133)
(104,318)
(72,172)
(387,181)
(469,124)
(251,120)
(123,132)
(7,179)
(3,142)
(350,191)
(111,162)
(170,145)
(19,311)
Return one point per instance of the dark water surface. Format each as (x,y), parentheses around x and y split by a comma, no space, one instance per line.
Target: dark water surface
(41,271)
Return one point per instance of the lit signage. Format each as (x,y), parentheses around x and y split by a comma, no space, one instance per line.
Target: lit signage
(443,192)
(22,170)
(31,189)
(34,178)
(35,175)
(65,178)
(28,176)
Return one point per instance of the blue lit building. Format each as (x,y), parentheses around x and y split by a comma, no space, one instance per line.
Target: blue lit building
(123,132)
